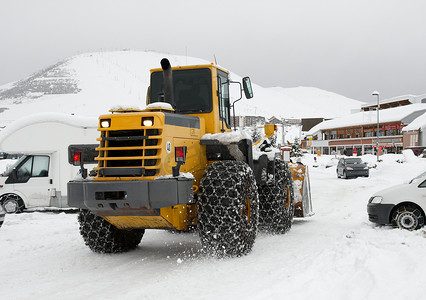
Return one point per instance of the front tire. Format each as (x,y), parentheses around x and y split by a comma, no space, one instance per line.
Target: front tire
(12,204)
(408,217)
(228,209)
(276,201)
(102,237)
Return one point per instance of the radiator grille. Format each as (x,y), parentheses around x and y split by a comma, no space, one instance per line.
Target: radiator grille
(129,153)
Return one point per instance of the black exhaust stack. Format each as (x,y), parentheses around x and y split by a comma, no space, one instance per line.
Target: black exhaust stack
(168,81)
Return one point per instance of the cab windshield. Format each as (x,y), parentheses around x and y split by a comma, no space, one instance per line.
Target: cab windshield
(10,168)
(192,90)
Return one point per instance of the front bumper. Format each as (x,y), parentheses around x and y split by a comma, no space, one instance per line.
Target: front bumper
(379,213)
(357,173)
(129,198)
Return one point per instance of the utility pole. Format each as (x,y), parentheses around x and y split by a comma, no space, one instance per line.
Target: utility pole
(376,93)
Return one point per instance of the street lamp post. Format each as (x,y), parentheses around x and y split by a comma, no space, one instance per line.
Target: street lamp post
(376,93)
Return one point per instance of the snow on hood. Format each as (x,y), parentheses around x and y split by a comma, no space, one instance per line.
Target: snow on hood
(227,138)
(124,107)
(164,105)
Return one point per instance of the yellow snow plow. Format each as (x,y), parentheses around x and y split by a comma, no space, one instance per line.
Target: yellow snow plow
(301,180)
(302,190)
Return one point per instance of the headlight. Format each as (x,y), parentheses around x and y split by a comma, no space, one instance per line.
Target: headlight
(376,199)
(365,168)
(148,121)
(349,168)
(105,123)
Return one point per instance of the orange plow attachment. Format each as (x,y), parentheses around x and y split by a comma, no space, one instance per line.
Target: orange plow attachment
(302,190)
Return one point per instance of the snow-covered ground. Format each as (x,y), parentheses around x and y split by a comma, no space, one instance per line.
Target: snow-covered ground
(336,254)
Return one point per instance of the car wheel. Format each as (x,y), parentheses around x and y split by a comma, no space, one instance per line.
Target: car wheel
(337,172)
(12,204)
(408,217)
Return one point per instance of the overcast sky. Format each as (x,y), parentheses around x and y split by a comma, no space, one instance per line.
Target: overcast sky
(348,47)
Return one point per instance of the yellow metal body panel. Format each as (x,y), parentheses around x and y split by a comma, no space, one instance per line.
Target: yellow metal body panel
(179,217)
(269,130)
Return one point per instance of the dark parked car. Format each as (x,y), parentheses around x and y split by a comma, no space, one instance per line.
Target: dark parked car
(351,167)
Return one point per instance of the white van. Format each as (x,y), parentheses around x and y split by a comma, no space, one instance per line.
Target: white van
(39,178)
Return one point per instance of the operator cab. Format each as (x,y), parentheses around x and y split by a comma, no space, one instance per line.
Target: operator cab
(192,90)
(201,91)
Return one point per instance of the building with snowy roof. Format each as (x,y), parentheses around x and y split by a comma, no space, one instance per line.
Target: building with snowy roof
(396,102)
(414,134)
(358,132)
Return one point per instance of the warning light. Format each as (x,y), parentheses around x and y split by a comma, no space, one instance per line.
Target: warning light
(77,158)
(180,154)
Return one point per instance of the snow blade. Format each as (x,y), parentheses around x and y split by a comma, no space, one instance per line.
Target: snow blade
(302,190)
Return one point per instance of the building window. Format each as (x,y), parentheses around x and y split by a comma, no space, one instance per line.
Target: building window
(390,132)
(357,133)
(348,133)
(333,135)
(326,133)
(368,132)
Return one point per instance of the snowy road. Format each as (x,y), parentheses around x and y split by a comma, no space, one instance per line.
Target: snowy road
(336,254)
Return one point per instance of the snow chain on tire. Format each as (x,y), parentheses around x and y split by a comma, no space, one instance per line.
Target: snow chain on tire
(228,209)
(102,237)
(276,201)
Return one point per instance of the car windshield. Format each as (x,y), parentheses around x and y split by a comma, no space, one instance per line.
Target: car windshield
(10,168)
(417,177)
(356,160)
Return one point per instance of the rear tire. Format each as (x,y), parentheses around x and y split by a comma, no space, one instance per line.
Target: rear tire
(12,204)
(408,217)
(228,208)
(276,201)
(103,237)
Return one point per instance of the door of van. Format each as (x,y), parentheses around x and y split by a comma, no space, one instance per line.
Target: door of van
(31,179)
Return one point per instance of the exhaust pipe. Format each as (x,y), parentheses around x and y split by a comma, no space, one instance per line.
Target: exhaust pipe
(168,81)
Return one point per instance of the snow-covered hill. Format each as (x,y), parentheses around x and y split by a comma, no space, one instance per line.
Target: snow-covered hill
(91,83)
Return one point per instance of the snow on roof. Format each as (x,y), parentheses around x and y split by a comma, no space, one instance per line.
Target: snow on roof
(418,123)
(72,120)
(412,98)
(369,117)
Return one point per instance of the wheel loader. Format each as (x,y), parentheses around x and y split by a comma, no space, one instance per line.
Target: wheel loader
(178,165)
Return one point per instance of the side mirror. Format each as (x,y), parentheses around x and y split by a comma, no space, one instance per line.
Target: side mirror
(248,91)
